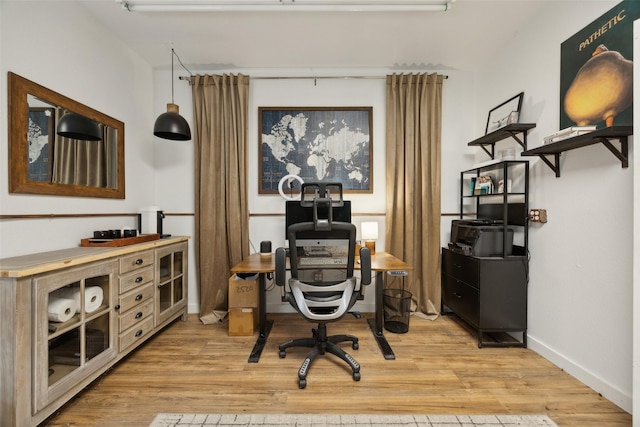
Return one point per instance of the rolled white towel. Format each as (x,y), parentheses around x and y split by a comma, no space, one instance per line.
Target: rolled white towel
(93,297)
(61,309)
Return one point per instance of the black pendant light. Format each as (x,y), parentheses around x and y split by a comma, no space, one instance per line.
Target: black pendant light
(75,126)
(171,125)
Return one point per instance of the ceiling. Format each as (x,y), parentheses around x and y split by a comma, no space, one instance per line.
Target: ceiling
(471,32)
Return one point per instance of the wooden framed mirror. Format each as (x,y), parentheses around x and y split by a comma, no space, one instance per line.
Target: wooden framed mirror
(43,162)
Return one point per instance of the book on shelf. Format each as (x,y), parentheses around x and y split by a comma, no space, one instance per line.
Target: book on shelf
(483,185)
(569,132)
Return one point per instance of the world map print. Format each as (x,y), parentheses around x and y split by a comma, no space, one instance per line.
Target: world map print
(38,136)
(318,145)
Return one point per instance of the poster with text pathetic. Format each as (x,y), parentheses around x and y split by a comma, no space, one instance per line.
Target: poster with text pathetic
(596,71)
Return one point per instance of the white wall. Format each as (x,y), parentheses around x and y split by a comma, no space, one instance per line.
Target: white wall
(63,49)
(175,159)
(580,289)
(580,306)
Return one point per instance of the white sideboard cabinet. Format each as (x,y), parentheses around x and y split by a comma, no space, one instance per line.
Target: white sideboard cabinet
(122,296)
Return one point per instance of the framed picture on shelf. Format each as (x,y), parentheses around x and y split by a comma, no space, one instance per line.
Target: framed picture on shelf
(504,114)
(317,144)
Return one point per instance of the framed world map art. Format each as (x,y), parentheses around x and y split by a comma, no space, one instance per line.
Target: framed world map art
(318,144)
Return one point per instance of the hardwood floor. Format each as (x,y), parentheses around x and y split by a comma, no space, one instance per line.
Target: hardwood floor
(190,367)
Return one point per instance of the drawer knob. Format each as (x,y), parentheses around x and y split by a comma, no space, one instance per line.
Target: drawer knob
(139,279)
(138,315)
(138,332)
(117,307)
(138,297)
(139,261)
(457,295)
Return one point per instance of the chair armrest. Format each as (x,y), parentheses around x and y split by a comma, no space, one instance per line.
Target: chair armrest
(365,265)
(281,266)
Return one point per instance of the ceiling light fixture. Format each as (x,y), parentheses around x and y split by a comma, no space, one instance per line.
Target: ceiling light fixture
(171,125)
(286,5)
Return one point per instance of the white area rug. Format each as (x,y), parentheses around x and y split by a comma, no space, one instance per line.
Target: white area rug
(320,420)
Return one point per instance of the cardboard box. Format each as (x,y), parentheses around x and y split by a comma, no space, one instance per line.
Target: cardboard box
(243,321)
(243,293)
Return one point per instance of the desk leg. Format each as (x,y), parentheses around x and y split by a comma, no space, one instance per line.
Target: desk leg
(376,324)
(264,324)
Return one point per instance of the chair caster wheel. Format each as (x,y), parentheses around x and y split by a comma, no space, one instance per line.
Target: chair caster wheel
(282,354)
(355,346)
(356,376)
(302,384)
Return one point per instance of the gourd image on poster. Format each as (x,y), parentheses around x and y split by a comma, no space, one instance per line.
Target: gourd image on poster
(601,89)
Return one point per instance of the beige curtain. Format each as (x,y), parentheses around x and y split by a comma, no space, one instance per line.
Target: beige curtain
(414,116)
(86,163)
(220,110)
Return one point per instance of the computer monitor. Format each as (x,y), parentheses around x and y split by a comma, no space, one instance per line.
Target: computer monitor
(295,213)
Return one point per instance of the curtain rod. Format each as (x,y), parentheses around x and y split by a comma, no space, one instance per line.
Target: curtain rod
(309,77)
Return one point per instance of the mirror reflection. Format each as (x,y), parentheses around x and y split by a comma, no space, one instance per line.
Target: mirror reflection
(63,160)
(59,146)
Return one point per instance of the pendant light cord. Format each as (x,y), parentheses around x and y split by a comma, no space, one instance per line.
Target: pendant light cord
(173,52)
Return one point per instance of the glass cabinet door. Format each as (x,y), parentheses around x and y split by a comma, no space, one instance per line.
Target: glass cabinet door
(74,327)
(171,295)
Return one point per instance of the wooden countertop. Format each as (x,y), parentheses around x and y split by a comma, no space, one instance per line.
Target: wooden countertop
(28,265)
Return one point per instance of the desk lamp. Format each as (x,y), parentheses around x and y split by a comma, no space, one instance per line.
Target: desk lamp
(370,235)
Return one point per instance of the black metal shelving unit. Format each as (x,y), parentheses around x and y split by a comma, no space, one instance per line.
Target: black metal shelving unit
(490,293)
(510,206)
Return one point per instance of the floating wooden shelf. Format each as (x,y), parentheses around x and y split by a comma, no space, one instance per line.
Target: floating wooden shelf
(599,136)
(512,130)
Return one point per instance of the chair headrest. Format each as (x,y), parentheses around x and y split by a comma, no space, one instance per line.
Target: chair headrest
(328,192)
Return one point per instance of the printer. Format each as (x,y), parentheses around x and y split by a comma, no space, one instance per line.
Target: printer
(480,237)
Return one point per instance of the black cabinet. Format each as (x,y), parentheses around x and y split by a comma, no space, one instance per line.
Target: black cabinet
(490,294)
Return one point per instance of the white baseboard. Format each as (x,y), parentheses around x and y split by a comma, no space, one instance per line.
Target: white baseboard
(609,392)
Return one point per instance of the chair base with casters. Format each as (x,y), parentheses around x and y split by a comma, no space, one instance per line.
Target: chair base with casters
(320,344)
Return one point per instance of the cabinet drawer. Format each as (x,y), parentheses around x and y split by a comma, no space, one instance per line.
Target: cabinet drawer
(136,279)
(461,298)
(461,267)
(136,315)
(137,333)
(135,297)
(135,261)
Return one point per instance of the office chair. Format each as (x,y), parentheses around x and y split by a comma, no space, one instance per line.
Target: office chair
(322,287)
